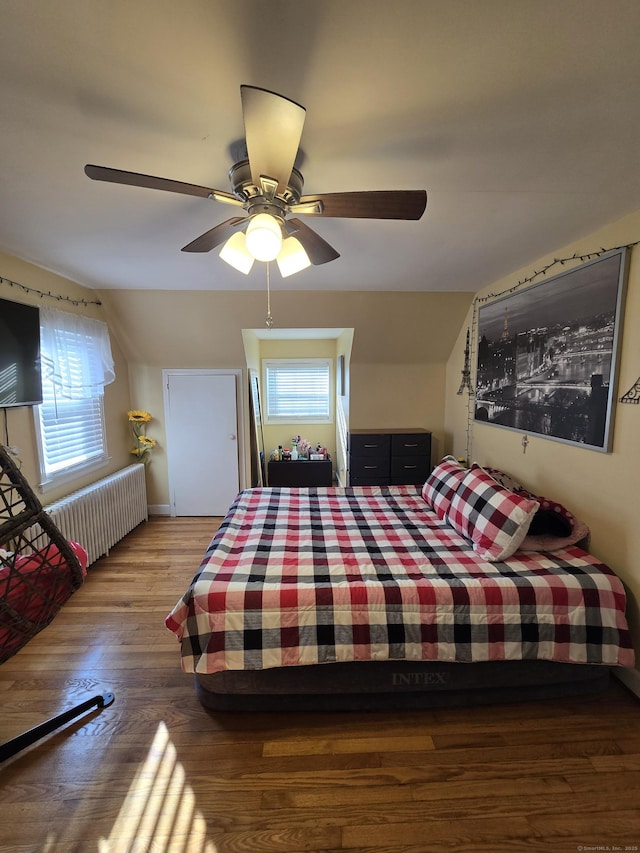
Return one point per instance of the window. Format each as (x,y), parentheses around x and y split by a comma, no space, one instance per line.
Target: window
(71,433)
(298,391)
(76,364)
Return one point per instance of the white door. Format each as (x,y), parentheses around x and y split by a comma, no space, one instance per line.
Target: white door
(202,441)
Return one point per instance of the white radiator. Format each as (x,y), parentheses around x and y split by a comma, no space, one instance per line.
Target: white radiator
(104,512)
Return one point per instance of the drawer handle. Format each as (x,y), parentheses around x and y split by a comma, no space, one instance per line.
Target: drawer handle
(410,466)
(372,445)
(371,467)
(410,445)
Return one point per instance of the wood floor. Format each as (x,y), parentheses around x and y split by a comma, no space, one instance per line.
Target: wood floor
(156,772)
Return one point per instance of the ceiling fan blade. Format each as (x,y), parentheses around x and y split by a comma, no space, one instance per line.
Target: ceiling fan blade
(318,250)
(375,204)
(217,235)
(273,129)
(135,179)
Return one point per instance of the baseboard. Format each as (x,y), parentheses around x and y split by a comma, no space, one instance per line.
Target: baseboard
(629,677)
(159,509)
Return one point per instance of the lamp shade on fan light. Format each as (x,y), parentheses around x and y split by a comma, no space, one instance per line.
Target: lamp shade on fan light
(235,253)
(264,237)
(292,257)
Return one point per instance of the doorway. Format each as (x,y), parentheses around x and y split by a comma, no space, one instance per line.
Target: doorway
(203,414)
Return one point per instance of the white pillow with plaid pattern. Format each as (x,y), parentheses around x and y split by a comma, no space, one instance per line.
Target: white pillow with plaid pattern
(442,485)
(495,519)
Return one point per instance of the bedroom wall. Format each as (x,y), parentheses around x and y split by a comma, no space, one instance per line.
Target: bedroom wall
(19,422)
(275,434)
(600,488)
(398,356)
(396,365)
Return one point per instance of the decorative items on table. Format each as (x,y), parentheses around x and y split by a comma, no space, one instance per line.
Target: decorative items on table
(303,446)
(280,454)
(144,444)
(300,449)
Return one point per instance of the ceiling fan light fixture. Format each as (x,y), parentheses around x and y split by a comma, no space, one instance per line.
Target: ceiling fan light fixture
(264,237)
(235,253)
(292,257)
(267,180)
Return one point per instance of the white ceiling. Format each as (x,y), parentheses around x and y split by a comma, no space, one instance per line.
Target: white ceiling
(520,118)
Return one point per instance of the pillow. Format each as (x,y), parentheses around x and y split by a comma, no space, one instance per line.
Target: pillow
(27,563)
(35,587)
(504,479)
(49,566)
(552,519)
(547,542)
(495,519)
(442,485)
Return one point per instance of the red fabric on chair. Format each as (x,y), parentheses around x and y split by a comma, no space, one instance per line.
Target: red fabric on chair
(35,586)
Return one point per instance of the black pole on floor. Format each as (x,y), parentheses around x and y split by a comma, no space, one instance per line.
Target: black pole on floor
(16,744)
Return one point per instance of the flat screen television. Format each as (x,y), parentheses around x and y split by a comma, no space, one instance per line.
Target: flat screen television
(20,382)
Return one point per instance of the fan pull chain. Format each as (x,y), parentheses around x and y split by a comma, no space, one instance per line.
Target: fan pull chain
(269,320)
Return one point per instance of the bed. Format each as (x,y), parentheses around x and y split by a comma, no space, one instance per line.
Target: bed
(394,597)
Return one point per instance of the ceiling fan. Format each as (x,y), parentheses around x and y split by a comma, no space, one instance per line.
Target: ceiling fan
(268,187)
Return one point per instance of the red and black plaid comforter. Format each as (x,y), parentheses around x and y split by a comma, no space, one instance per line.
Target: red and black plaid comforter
(306,576)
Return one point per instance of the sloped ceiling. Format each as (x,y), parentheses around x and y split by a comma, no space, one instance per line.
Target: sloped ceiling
(519,117)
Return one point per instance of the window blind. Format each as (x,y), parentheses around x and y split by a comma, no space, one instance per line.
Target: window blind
(71,431)
(298,391)
(76,364)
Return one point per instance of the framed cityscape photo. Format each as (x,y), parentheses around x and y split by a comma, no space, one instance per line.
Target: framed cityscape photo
(548,355)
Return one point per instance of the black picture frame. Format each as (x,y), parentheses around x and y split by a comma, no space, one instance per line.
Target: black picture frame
(548,355)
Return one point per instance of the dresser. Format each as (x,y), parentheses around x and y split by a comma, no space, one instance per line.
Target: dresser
(389,457)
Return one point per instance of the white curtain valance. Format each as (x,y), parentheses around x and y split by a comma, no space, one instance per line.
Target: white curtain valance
(76,353)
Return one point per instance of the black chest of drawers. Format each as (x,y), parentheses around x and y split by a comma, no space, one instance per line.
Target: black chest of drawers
(389,457)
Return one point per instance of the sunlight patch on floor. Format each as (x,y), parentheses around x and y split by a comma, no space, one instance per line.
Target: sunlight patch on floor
(159,814)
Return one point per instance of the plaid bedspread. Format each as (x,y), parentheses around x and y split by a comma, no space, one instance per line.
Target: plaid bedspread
(306,576)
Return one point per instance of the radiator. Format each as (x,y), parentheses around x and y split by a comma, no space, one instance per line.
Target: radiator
(101,514)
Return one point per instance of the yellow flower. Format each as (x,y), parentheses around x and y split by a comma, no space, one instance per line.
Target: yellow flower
(138,421)
(139,417)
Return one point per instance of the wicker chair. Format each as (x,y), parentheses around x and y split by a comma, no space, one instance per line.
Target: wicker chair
(39,569)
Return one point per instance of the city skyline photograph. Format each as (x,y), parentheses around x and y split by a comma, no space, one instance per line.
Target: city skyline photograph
(547,356)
